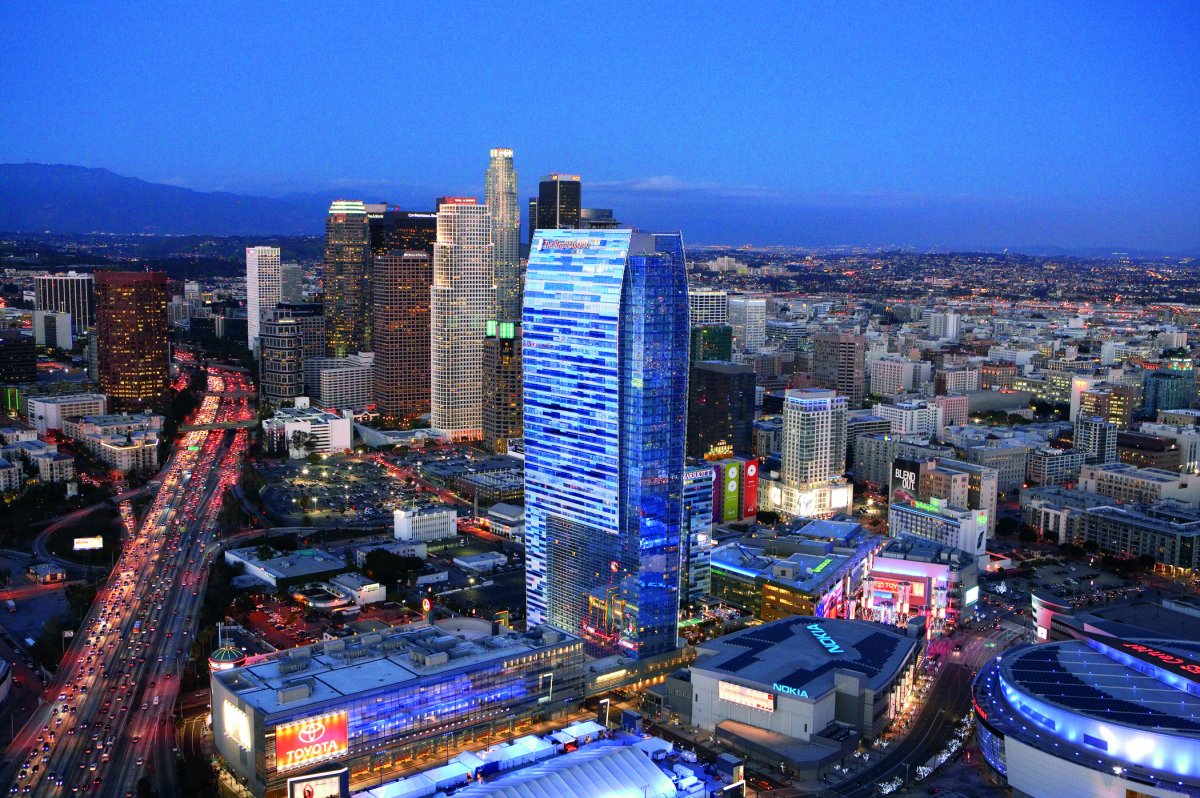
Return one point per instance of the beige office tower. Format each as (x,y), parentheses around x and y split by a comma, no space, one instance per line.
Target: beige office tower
(462,301)
(501,196)
(839,362)
(262,288)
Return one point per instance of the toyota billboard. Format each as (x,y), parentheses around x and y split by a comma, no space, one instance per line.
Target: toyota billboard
(311,740)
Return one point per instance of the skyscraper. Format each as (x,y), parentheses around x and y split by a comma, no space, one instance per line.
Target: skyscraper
(291,282)
(712,342)
(131,333)
(501,197)
(559,203)
(501,384)
(720,408)
(839,362)
(1096,437)
(281,360)
(394,230)
(462,301)
(347,278)
(262,288)
(605,351)
(67,293)
(748,317)
(812,478)
(710,306)
(401,285)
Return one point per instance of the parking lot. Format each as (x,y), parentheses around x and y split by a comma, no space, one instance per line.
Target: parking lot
(339,491)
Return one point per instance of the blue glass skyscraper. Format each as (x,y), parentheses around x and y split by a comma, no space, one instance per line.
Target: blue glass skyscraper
(606,364)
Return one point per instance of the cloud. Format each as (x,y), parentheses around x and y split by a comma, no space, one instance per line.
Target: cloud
(669,184)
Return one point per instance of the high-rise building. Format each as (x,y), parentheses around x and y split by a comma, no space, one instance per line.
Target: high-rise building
(394,230)
(720,409)
(709,306)
(347,278)
(748,317)
(262,288)
(696,566)
(943,326)
(131,332)
(291,282)
(500,193)
(559,202)
(463,300)
(18,357)
(52,329)
(400,283)
(72,293)
(341,383)
(605,359)
(1168,389)
(597,219)
(502,405)
(532,225)
(711,342)
(311,318)
(839,361)
(1096,437)
(281,360)
(813,462)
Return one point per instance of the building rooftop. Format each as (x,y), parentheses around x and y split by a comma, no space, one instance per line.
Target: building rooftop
(804,652)
(917,549)
(334,670)
(812,574)
(291,564)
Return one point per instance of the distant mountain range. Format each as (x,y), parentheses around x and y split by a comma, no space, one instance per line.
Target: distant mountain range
(36,198)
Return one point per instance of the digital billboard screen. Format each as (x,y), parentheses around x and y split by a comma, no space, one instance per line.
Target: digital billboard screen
(750,488)
(86,544)
(731,502)
(746,696)
(311,740)
(906,476)
(330,784)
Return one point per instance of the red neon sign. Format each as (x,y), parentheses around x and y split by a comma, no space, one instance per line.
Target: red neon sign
(311,740)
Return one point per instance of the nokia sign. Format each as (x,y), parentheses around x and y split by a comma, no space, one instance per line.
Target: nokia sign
(783,688)
(824,639)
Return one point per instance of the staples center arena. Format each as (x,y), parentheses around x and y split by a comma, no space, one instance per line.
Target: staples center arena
(1097,716)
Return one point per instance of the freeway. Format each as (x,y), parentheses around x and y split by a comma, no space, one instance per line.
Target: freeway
(106,722)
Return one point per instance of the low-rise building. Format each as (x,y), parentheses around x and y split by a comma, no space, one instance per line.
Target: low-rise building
(434,522)
(1168,531)
(1132,485)
(507,521)
(281,569)
(911,577)
(303,430)
(362,589)
(1058,513)
(1049,466)
(935,520)
(47,413)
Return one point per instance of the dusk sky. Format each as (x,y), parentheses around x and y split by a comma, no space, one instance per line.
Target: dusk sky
(982,125)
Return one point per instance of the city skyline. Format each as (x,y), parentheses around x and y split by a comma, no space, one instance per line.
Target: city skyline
(952,129)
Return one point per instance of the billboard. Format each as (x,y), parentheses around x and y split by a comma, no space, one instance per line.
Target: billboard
(731,504)
(311,740)
(84,544)
(330,784)
(237,725)
(750,488)
(906,481)
(746,696)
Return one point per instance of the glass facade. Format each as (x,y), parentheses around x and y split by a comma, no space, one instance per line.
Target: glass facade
(697,538)
(605,361)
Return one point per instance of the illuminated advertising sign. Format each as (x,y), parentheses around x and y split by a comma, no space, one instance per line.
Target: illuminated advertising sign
(916,588)
(311,740)
(330,784)
(750,488)
(1167,661)
(567,244)
(824,638)
(824,564)
(906,477)
(84,544)
(237,725)
(783,688)
(971,596)
(746,696)
(934,505)
(731,504)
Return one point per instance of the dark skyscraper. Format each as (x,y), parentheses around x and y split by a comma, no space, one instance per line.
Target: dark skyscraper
(400,319)
(532,220)
(394,230)
(712,342)
(502,408)
(559,202)
(720,407)
(347,278)
(18,358)
(131,332)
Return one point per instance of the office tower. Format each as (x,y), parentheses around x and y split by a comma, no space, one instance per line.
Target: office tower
(1096,437)
(72,293)
(281,360)
(501,384)
(605,358)
(394,230)
(291,282)
(712,342)
(52,329)
(18,357)
(956,379)
(559,202)
(341,383)
(401,283)
(347,278)
(597,219)
(131,332)
(500,194)
(839,360)
(311,318)
(944,326)
(894,374)
(748,317)
(463,300)
(720,409)
(1168,389)
(814,436)
(696,560)
(532,224)
(707,306)
(262,288)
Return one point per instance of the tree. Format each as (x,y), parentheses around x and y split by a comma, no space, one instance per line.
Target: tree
(1006,526)
(383,566)
(1028,534)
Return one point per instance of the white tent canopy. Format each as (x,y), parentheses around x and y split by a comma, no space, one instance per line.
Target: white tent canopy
(594,772)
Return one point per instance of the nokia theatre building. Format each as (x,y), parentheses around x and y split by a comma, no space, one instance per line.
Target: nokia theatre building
(804,689)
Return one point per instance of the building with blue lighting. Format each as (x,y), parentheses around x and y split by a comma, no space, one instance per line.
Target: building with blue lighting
(1099,716)
(696,578)
(606,367)
(374,701)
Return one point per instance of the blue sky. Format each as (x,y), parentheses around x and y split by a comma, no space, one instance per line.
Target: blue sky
(954,125)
